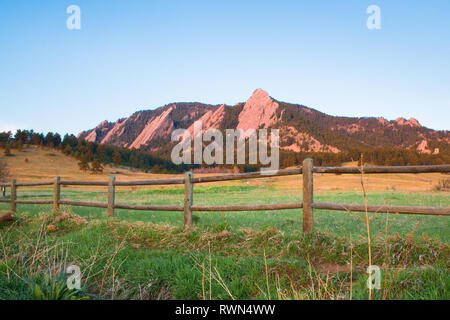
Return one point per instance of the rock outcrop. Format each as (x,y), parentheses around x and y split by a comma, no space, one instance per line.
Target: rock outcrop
(259,111)
(301,128)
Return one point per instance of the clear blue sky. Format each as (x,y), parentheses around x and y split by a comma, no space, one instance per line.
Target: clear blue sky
(133,55)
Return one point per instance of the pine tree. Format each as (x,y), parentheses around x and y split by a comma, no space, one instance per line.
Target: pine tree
(133,161)
(116,158)
(67,150)
(101,152)
(90,155)
(83,164)
(96,166)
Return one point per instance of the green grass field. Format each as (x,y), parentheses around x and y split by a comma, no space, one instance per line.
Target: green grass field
(243,255)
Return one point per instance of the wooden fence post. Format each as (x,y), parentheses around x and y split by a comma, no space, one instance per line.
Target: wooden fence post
(111,195)
(188,199)
(307,195)
(13,195)
(56,194)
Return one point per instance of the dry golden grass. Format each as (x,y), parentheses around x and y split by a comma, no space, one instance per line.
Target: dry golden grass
(373,182)
(44,164)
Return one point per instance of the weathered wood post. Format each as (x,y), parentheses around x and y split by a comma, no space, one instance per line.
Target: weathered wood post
(307,173)
(111,195)
(56,194)
(13,195)
(188,199)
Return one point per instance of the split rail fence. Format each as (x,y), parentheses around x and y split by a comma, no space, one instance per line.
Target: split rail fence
(307,204)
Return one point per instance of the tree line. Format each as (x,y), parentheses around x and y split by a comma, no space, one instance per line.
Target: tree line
(374,156)
(93,156)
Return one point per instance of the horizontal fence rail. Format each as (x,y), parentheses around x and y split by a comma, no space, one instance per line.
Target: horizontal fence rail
(307,204)
(83,204)
(255,207)
(84,183)
(395,169)
(149,208)
(249,175)
(28,201)
(150,182)
(442,211)
(34,184)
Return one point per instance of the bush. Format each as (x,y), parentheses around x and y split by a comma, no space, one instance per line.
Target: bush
(57,289)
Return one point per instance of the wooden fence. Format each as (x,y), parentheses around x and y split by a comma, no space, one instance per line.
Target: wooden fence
(307,205)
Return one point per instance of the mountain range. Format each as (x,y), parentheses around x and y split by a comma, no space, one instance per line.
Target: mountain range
(302,129)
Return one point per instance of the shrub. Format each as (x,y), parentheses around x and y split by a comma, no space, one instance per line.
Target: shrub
(56,289)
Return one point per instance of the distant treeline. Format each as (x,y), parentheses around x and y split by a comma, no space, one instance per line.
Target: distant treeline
(85,152)
(375,156)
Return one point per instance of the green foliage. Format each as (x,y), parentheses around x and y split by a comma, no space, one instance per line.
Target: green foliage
(221,227)
(427,283)
(197,190)
(148,255)
(57,289)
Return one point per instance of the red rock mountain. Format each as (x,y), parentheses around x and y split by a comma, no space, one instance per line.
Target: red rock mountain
(301,128)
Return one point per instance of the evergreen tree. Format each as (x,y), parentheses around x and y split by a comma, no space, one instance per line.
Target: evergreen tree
(96,166)
(117,159)
(134,160)
(101,152)
(83,164)
(67,150)
(90,155)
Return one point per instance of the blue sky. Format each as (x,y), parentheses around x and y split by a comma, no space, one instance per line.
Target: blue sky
(133,55)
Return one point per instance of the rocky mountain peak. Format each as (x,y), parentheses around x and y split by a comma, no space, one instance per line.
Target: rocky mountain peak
(259,111)
(411,122)
(302,129)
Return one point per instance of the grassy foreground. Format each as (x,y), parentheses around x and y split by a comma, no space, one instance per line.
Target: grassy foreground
(250,255)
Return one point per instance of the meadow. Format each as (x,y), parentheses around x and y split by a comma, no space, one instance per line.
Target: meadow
(225,255)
